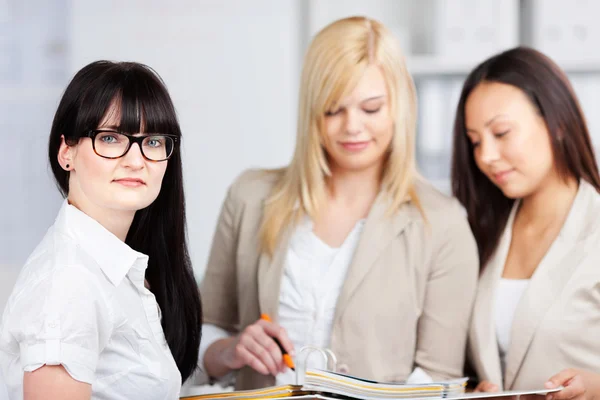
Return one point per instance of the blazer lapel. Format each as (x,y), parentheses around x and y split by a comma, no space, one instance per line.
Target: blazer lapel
(483,327)
(378,231)
(270,272)
(547,282)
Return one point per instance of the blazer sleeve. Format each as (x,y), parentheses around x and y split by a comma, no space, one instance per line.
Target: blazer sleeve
(449,296)
(219,286)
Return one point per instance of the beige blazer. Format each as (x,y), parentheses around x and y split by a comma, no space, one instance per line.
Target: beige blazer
(406,300)
(557,322)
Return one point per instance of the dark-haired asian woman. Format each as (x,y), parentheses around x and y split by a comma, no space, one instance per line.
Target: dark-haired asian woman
(525,170)
(107,307)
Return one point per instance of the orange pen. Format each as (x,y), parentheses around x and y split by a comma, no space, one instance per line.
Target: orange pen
(287,359)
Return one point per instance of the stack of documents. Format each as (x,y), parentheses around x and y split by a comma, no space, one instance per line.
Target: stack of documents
(320,384)
(336,383)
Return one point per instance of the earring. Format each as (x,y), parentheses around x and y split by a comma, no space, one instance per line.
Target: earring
(67,166)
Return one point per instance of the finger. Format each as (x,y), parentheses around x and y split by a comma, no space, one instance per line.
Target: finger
(274,330)
(261,353)
(486,386)
(574,387)
(281,334)
(489,387)
(479,387)
(560,379)
(272,348)
(492,388)
(251,360)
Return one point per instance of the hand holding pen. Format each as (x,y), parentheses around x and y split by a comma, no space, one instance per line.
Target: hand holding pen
(287,358)
(264,346)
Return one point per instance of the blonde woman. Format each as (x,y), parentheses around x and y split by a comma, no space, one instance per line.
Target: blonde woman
(346,247)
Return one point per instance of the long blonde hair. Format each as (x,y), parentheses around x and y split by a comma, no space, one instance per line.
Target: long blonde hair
(336,60)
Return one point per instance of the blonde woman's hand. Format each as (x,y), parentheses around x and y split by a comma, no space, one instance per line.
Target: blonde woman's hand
(255,347)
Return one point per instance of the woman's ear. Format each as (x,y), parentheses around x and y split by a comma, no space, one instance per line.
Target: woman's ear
(66,154)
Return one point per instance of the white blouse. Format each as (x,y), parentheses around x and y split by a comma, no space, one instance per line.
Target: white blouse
(312,281)
(80,302)
(508,296)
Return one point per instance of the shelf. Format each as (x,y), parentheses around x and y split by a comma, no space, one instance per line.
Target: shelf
(436,66)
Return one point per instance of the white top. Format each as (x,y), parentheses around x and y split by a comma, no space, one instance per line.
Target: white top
(508,295)
(80,302)
(312,281)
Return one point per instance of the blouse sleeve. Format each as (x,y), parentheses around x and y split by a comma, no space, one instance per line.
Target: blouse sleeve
(62,319)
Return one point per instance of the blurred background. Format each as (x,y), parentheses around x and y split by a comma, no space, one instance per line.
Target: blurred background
(232,67)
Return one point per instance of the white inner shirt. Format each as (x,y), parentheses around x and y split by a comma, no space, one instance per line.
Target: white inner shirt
(80,302)
(508,295)
(312,281)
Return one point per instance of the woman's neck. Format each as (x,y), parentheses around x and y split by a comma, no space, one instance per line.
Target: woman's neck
(116,222)
(354,187)
(550,204)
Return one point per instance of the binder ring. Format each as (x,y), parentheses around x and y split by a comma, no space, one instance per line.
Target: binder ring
(302,358)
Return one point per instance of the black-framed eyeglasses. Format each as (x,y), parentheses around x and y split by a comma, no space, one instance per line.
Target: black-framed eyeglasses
(109,143)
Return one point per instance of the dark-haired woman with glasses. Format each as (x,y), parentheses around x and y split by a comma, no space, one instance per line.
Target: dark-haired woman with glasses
(524,169)
(107,307)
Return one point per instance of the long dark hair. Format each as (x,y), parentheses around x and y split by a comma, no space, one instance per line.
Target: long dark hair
(158,230)
(550,92)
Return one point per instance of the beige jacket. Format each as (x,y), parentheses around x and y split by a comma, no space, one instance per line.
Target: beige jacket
(557,322)
(406,300)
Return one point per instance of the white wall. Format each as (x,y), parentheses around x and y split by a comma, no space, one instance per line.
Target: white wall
(31,70)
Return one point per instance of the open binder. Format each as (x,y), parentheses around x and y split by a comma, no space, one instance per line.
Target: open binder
(326,384)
